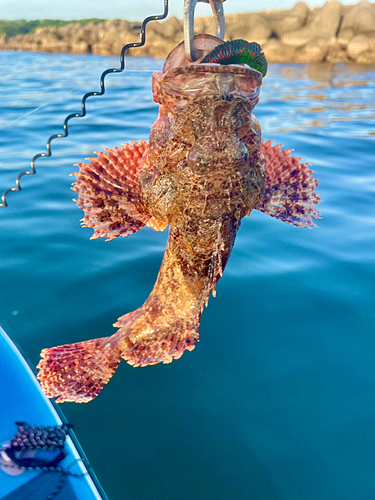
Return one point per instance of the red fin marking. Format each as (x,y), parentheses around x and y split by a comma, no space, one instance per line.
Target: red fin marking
(156,224)
(109,192)
(78,372)
(290,188)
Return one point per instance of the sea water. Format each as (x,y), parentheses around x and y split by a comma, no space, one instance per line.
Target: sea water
(277,401)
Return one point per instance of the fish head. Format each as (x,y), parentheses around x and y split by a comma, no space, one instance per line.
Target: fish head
(181,81)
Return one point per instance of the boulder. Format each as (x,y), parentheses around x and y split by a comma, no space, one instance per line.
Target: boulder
(67,30)
(102,49)
(360,45)
(169,28)
(210,26)
(51,42)
(153,36)
(361,18)
(260,33)
(80,48)
(89,33)
(336,53)
(324,25)
(285,24)
(199,25)
(366,58)
(111,36)
(100,32)
(301,10)
(40,32)
(251,27)
(327,19)
(179,37)
(160,49)
(291,20)
(301,37)
(124,25)
(344,37)
(313,52)
(276,52)
(76,36)
(32,47)
(312,14)
(108,24)
(124,37)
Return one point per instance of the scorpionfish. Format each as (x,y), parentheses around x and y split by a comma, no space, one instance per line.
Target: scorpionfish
(204,168)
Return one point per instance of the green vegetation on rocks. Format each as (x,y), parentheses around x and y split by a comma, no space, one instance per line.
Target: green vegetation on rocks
(23,27)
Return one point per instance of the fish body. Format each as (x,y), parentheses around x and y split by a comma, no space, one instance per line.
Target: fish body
(204,168)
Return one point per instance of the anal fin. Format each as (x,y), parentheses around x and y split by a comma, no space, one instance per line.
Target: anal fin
(152,335)
(290,188)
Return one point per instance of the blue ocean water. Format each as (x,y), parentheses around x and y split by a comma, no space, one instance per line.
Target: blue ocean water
(277,401)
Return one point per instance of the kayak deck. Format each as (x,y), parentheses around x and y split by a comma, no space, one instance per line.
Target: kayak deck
(21,399)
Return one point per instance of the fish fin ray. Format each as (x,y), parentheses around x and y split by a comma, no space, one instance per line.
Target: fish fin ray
(78,372)
(109,192)
(221,251)
(156,224)
(163,344)
(289,193)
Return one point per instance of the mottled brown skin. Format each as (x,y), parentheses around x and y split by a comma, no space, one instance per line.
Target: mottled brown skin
(204,169)
(202,174)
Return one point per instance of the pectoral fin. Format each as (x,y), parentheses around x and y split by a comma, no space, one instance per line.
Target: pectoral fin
(290,188)
(110,195)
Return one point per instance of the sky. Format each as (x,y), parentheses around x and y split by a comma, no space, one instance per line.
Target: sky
(129,9)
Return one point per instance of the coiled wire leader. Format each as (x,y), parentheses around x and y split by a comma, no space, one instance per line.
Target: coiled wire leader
(84,99)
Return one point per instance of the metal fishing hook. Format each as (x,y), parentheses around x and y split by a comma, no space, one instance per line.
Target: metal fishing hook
(191,52)
(84,99)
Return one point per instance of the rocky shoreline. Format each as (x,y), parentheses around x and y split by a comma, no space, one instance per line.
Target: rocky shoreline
(332,33)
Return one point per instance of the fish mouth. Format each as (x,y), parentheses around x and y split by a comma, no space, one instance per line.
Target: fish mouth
(182,81)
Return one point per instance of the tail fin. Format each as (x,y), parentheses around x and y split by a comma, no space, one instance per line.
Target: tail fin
(78,372)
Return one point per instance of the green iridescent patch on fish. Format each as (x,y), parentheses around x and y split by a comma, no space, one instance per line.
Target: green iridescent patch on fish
(239,52)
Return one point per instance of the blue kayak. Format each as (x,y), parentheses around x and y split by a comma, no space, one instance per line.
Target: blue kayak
(40,458)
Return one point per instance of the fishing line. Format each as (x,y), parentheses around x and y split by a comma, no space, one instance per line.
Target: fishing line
(60,99)
(83,101)
(128,70)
